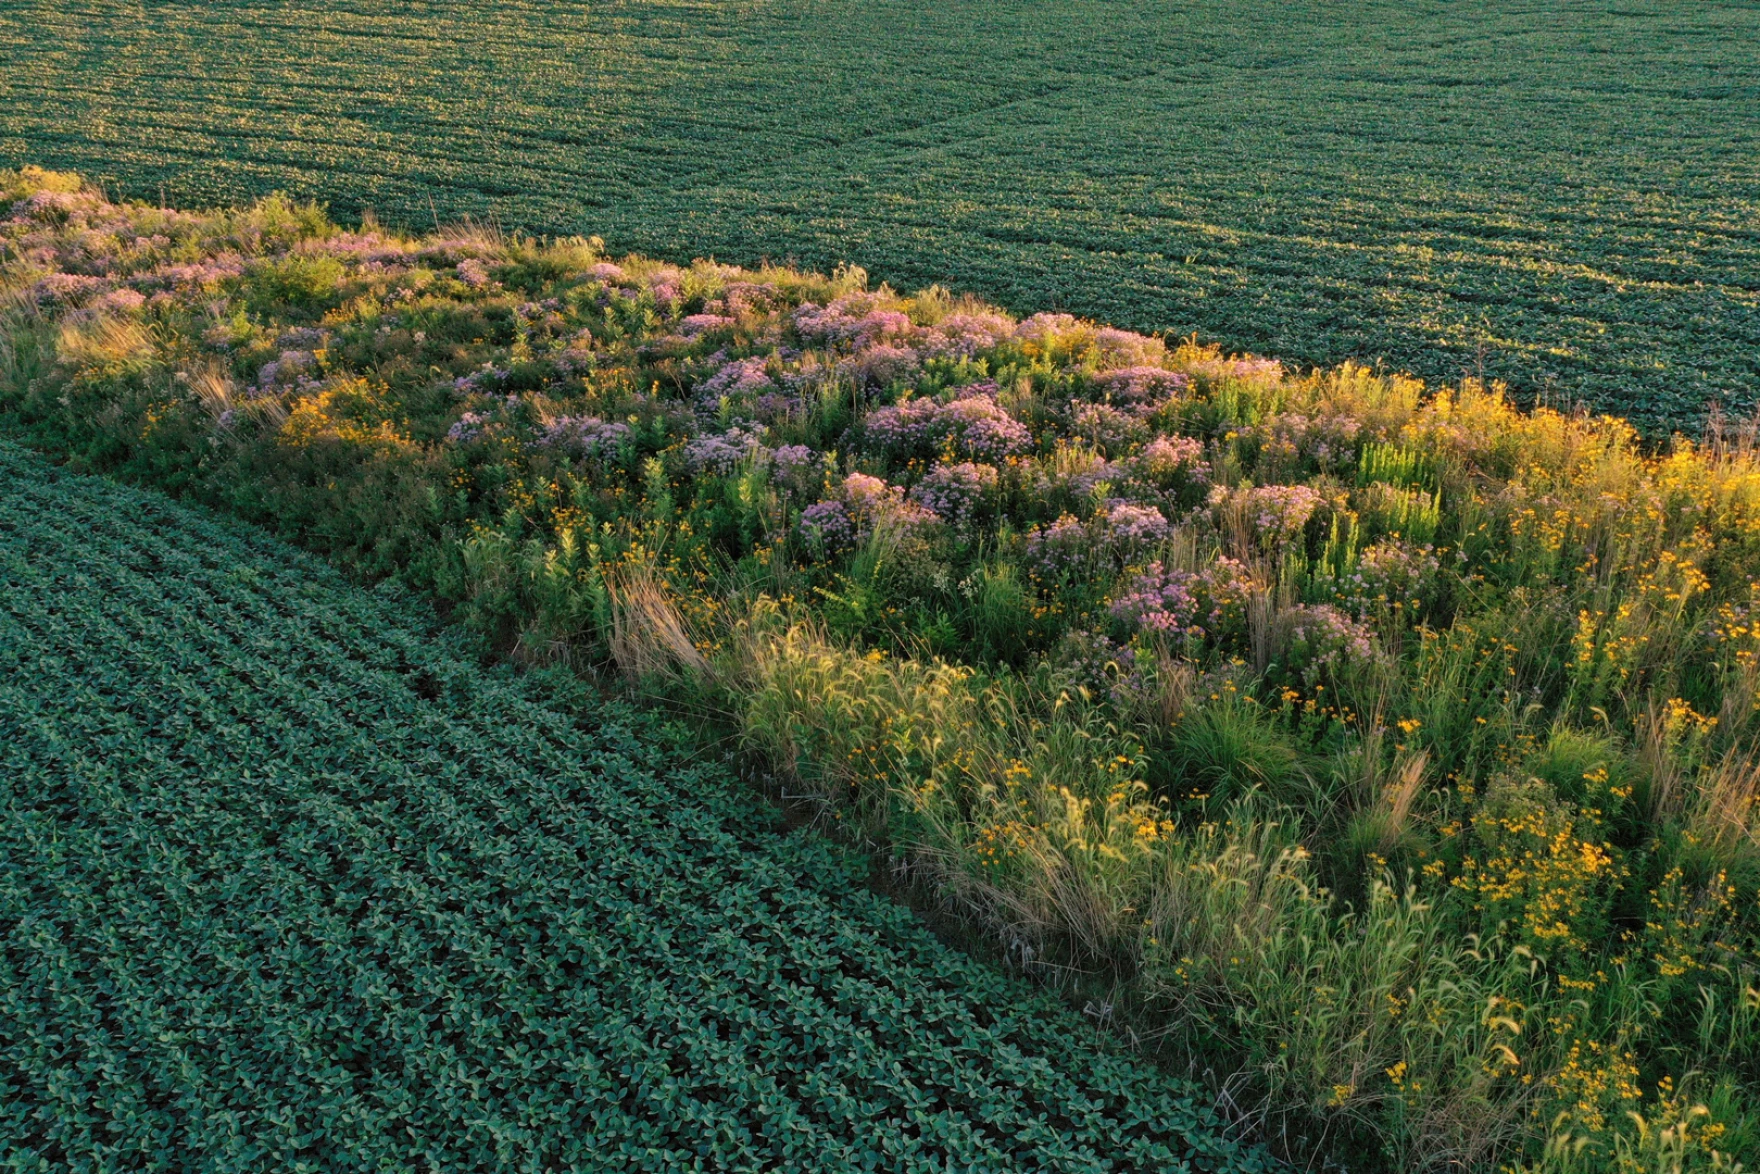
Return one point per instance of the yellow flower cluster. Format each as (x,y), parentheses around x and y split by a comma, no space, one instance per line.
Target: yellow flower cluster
(1538,873)
(1596,1077)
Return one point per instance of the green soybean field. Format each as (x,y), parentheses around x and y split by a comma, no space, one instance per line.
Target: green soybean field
(290,882)
(1565,197)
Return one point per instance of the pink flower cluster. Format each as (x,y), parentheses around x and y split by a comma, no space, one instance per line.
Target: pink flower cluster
(961,494)
(193,278)
(1322,641)
(873,503)
(880,365)
(692,325)
(739,377)
(975,426)
(1136,525)
(864,504)
(1144,388)
(853,320)
(52,207)
(1278,514)
(1173,602)
(65,287)
(473,273)
(1387,573)
(1327,441)
(1170,461)
(965,335)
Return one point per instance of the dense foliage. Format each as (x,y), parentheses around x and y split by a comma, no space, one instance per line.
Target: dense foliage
(1389,753)
(1561,199)
(292,884)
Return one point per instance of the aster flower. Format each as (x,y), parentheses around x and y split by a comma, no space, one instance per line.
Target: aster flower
(959,494)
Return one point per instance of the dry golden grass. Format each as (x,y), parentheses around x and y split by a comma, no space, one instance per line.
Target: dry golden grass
(649,638)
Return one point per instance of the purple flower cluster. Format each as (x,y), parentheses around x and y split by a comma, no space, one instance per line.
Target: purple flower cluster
(441,251)
(545,316)
(193,278)
(488,381)
(737,378)
(1064,548)
(1251,368)
(53,206)
(473,273)
(1124,348)
(366,249)
(743,297)
(907,429)
(793,458)
(1168,462)
(866,494)
(875,504)
(1326,440)
(666,285)
(1092,661)
(1162,600)
(797,468)
(961,494)
(289,368)
(880,365)
(304,338)
(468,427)
(1106,427)
(65,287)
(722,452)
(692,325)
(117,301)
(1051,331)
(583,435)
(1075,470)
(827,527)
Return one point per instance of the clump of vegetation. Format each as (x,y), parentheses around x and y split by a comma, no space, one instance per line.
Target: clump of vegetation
(1390,749)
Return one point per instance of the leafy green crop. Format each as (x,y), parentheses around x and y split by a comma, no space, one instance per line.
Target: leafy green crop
(1564,200)
(290,883)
